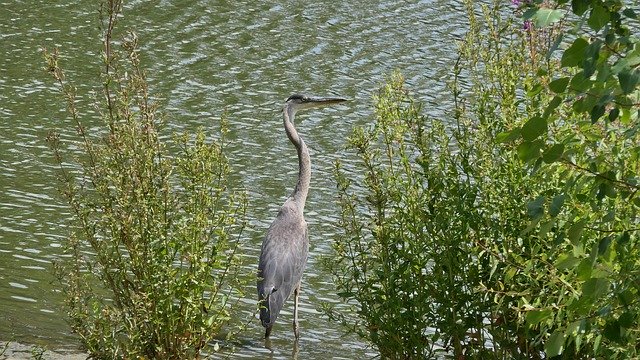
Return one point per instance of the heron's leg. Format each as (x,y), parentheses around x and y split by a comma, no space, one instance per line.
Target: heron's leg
(296,329)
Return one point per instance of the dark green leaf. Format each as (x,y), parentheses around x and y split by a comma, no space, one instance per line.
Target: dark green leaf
(529,13)
(606,189)
(628,12)
(628,80)
(535,208)
(594,288)
(599,17)
(592,53)
(556,205)
(559,85)
(579,7)
(626,320)
(604,245)
(624,238)
(553,154)
(580,83)
(584,104)
(536,316)
(533,128)
(612,331)
(604,72)
(555,344)
(613,114)
(596,113)
(574,55)
(627,297)
(621,65)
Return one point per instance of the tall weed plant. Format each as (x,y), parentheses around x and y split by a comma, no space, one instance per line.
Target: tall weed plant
(153,267)
(473,238)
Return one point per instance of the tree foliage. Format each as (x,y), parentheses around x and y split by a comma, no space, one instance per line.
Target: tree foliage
(512,233)
(153,268)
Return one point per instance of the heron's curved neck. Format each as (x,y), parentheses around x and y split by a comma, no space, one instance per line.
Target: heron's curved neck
(301,190)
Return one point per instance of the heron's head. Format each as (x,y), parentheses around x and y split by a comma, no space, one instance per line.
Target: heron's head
(298,102)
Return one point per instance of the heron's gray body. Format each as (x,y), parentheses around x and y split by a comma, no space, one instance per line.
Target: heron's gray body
(283,258)
(286,246)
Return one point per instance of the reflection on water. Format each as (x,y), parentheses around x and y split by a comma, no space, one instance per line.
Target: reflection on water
(242,57)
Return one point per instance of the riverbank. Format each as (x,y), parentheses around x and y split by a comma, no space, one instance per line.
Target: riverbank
(16,351)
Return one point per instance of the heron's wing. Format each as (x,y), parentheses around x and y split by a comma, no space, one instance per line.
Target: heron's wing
(282,261)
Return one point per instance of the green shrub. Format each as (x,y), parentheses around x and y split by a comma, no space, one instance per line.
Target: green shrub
(153,268)
(485,238)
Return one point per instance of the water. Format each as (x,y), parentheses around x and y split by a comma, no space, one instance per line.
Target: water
(244,57)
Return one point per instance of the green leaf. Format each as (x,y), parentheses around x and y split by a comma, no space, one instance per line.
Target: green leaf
(613,331)
(592,53)
(613,114)
(594,288)
(628,12)
(553,154)
(628,80)
(553,104)
(566,261)
(584,269)
(535,208)
(604,245)
(529,150)
(508,136)
(533,128)
(626,320)
(574,55)
(544,17)
(627,297)
(580,83)
(579,7)
(596,113)
(599,17)
(545,228)
(556,205)
(576,327)
(559,85)
(536,316)
(537,89)
(575,231)
(555,344)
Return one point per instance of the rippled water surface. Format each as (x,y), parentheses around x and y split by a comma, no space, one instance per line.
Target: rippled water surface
(205,57)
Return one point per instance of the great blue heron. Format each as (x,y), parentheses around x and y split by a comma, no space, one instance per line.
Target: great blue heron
(286,245)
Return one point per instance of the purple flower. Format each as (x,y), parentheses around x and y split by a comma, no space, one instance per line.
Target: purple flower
(527,25)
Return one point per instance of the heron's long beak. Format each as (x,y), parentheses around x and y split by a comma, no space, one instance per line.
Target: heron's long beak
(321,101)
(317,101)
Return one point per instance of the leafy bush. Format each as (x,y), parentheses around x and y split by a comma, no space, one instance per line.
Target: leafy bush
(154,268)
(512,233)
